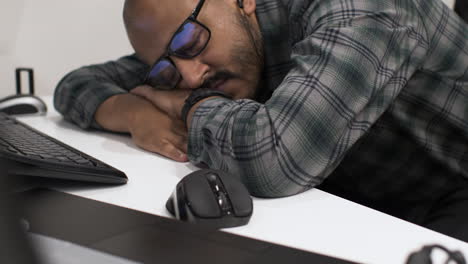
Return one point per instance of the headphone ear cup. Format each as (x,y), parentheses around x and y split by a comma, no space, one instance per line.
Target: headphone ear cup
(240,3)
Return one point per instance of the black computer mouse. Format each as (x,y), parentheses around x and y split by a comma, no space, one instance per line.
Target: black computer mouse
(212,198)
(22,104)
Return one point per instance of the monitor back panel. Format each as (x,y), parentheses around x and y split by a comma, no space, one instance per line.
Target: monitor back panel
(144,237)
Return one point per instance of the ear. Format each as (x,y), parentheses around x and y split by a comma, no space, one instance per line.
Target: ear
(249,6)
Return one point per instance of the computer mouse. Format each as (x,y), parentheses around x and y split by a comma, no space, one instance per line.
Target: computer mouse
(211,198)
(22,104)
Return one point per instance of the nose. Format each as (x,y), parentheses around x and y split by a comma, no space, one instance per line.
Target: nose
(193,72)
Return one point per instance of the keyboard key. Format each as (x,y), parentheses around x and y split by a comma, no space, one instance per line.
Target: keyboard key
(35,156)
(11,149)
(46,156)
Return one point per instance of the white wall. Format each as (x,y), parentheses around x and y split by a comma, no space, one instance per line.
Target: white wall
(56,36)
(450,3)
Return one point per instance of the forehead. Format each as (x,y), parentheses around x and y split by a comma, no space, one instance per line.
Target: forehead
(152,24)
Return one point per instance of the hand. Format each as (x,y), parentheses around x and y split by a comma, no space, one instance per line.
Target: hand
(155,131)
(171,102)
(151,128)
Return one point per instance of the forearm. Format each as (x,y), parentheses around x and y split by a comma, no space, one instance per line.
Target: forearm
(118,112)
(82,91)
(194,107)
(242,138)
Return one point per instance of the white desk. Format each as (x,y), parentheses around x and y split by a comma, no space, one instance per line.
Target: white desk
(314,221)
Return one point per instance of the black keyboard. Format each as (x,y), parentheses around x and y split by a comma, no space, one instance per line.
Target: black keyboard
(28,152)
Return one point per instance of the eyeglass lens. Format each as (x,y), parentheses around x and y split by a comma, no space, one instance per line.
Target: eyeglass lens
(187,43)
(163,75)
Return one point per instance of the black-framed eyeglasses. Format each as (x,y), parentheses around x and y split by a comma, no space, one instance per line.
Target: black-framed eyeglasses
(190,39)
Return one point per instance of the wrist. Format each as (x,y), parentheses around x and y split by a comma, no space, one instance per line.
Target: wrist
(196,98)
(194,108)
(120,112)
(135,109)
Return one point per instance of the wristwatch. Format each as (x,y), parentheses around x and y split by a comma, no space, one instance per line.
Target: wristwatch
(198,95)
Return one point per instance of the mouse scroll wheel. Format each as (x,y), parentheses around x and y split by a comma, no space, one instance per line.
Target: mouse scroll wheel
(212,177)
(223,202)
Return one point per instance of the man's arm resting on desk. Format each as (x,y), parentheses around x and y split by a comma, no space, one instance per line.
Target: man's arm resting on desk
(79,93)
(151,129)
(101,91)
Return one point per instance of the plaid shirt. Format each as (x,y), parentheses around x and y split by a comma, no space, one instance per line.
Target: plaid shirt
(370,95)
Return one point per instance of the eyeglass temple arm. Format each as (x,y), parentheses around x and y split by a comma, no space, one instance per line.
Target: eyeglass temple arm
(196,10)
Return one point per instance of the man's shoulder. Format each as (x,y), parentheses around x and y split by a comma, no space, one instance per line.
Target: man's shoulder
(312,14)
(301,8)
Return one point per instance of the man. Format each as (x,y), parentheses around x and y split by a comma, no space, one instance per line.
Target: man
(365,99)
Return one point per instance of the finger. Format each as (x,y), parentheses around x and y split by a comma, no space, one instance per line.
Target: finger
(172,152)
(184,147)
(181,143)
(157,97)
(180,131)
(166,149)
(143,91)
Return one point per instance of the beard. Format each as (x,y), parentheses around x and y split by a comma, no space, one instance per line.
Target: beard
(248,53)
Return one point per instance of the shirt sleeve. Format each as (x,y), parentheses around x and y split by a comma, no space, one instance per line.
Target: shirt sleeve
(349,68)
(79,94)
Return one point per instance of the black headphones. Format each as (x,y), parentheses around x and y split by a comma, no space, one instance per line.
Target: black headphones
(423,256)
(240,3)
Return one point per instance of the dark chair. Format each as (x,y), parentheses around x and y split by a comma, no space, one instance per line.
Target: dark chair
(461,7)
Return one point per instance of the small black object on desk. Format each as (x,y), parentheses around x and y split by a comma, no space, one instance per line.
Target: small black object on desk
(424,255)
(23,103)
(211,198)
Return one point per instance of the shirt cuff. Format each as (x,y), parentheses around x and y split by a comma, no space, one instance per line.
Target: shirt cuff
(206,112)
(94,100)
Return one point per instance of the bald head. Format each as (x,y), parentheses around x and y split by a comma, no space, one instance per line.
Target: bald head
(150,24)
(230,56)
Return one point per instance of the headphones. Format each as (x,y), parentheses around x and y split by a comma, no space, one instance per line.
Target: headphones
(423,256)
(240,3)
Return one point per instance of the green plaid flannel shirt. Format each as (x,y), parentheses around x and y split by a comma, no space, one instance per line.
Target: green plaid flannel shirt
(369,95)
